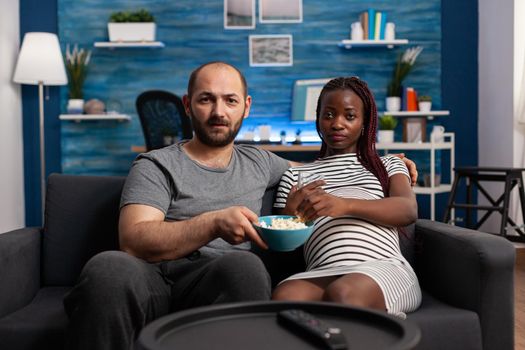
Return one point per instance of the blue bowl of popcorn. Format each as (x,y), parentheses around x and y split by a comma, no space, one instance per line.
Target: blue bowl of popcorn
(283,233)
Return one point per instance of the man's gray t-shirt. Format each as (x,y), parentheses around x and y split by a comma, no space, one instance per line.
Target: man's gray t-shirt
(181,188)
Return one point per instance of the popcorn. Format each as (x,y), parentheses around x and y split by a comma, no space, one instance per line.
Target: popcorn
(284,224)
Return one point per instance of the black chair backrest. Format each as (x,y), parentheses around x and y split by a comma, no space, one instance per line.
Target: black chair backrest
(81,220)
(161,114)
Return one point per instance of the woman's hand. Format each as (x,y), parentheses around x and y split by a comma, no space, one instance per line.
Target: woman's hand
(297,195)
(320,203)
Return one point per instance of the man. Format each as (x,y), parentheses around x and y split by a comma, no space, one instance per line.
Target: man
(185,223)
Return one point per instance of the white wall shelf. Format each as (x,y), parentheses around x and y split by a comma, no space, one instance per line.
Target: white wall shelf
(431,190)
(348,44)
(414,145)
(129,44)
(432,147)
(85,117)
(417,114)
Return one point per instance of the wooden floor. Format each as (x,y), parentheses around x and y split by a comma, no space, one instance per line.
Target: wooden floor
(519,300)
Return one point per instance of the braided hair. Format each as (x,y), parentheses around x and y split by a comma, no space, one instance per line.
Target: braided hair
(366,145)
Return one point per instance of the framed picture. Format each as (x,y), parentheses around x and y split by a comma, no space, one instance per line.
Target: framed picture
(305,95)
(271,50)
(414,129)
(278,11)
(239,14)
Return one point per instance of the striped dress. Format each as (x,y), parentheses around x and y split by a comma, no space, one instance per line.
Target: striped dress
(342,245)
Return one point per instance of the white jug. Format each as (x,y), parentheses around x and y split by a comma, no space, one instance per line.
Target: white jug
(437,134)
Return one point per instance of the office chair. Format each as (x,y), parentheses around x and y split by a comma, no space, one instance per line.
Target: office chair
(162,116)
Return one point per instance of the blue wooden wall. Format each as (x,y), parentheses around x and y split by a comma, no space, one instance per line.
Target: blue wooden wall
(193,33)
(103,147)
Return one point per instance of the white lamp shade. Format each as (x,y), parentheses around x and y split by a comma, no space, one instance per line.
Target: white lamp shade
(40,60)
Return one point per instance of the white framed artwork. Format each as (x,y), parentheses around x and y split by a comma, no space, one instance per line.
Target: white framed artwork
(279,11)
(305,95)
(239,14)
(414,130)
(271,50)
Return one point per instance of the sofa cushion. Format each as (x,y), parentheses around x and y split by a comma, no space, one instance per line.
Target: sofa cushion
(446,327)
(81,220)
(39,325)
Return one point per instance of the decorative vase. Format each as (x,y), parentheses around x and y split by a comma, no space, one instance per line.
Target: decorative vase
(393,103)
(94,106)
(75,106)
(356,31)
(425,106)
(390,31)
(385,136)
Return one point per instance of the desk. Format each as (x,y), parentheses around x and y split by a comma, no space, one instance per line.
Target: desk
(253,325)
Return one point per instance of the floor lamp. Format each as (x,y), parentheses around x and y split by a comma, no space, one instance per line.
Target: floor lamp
(40,63)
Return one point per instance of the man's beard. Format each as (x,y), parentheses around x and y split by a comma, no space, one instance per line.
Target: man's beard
(215,139)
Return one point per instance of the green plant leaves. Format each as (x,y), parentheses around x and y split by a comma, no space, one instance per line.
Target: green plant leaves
(141,15)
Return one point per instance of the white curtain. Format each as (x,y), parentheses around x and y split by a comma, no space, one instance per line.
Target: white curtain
(515,208)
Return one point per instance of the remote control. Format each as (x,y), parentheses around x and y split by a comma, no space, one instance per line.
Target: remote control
(313,328)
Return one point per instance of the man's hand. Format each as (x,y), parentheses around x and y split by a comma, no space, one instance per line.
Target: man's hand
(411,166)
(234,225)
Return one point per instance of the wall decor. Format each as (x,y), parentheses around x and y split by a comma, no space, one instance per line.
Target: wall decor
(195,34)
(414,129)
(271,50)
(277,11)
(239,14)
(305,95)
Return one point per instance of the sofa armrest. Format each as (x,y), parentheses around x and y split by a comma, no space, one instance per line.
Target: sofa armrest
(471,270)
(19,268)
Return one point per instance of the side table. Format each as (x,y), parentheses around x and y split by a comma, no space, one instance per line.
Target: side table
(254,326)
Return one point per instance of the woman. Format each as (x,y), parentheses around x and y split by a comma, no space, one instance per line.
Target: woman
(353,255)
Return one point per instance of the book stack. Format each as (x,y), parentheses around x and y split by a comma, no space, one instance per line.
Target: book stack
(373,23)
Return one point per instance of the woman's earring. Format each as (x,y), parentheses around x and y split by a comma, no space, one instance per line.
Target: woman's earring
(362,131)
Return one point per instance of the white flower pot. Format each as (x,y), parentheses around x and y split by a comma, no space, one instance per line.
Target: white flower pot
(385,136)
(132,31)
(425,106)
(75,106)
(393,103)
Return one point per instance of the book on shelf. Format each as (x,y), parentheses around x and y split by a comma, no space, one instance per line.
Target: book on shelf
(371,23)
(403,99)
(377,25)
(363,18)
(411,99)
(383,26)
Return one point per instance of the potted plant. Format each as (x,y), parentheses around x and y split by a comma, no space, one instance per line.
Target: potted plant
(132,26)
(424,103)
(404,65)
(387,124)
(77,61)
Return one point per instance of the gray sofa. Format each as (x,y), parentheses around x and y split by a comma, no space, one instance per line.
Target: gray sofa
(466,276)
